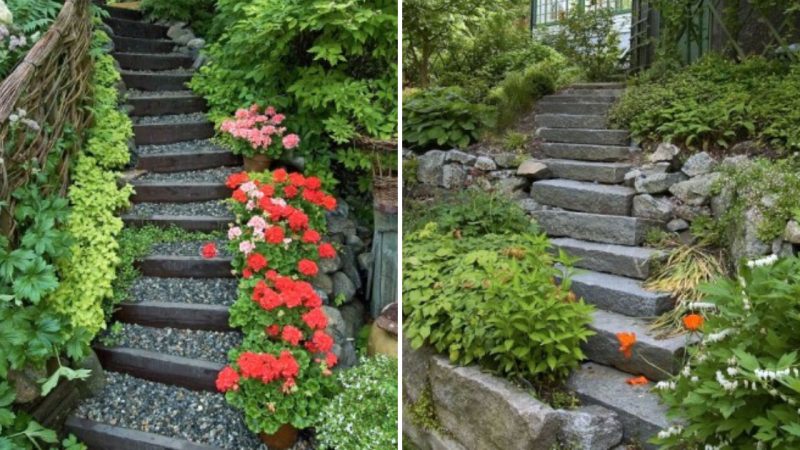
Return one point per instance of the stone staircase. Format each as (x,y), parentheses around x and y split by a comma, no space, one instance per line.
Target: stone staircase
(586,210)
(160,391)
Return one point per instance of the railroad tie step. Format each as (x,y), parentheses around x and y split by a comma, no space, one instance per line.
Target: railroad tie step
(155,81)
(152,61)
(179,266)
(184,156)
(168,133)
(98,435)
(139,45)
(137,29)
(191,316)
(124,13)
(584,196)
(180,102)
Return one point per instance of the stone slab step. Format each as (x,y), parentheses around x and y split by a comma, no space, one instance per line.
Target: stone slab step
(637,407)
(585,136)
(598,85)
(98,435)
(177,192)
(618,294)
(152,61)
(148,81)
(189,223)
(137,29)
(582,109)
(601,172)
(623,260)
(183,161)
(138,45)
(584,196)
(124,13)
(159,105)
(657,359)
(175,315)
(577,97)
(583,152)
(571,121)
(168,133)
(174,266)
(190,373)
(594,227)
(590,91)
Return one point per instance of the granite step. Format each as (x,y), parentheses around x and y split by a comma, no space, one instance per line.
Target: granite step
(577,97)
(601,172)
(584,196)
(638,408)
(134,28)
(583,109)
(620,295)
(657,359)
(615,92)
(604,228)
(152,61)
(182,102)
(584,152)
(139,45)
(571,121)
(585,136)
(623,260)
(154,81)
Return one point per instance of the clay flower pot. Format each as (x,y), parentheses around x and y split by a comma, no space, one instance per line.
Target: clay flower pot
(282,439)
(256,163)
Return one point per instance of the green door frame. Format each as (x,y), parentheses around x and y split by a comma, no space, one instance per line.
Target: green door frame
(615,4)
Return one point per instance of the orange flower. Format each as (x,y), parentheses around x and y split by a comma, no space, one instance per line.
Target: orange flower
(693,322)
(635,381)
(626,341)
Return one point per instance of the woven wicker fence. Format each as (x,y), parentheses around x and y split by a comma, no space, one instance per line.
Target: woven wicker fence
(51,85)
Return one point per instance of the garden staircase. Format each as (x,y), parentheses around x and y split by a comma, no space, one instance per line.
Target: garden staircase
(587,212)
(160,391)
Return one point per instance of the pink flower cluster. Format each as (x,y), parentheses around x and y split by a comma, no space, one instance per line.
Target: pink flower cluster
(260,129)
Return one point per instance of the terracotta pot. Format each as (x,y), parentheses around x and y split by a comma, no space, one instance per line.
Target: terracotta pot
(257,163)
(283,439)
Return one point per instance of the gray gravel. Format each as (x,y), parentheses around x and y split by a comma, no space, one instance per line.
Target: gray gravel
(191,248)
(215,175)
(133,93)
(207,291)
(215,208)
(197,344)
(203,145)
(171,118)
(200,417)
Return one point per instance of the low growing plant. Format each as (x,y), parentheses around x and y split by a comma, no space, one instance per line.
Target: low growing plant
(442,117)
(255,132)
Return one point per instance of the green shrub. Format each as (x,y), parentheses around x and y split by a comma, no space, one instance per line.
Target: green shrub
(31,19)
(198,13)
(517,92)
(716,103)
(493,300)
(443,117)
(331,67)
(364,414)
(723,396)
(588,38)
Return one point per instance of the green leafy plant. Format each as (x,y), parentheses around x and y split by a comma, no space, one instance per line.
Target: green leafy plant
(364,414)
(493,300)
(517,92)
(741,386)
(443,117)
(198,13)
(588,38)
(515,141)
(31,19)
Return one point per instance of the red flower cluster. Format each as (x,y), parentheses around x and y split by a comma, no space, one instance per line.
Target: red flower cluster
(285,292)
(307,267)
(227,380)
(256,262)
(268,368)
(209,250)
(291,184)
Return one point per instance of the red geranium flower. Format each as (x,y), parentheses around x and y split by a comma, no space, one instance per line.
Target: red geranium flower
(209,250)
(268,190)
(266,297)
(247,273)
(292,335)
(298,220)
(240,196)
(236,179)
(321,342)
(227,379)
(326,251)
(273,330)
(331,359)
(313,196)
(297,179)
(313,183)
(290,191)
(274,235)
(279,175)
(311,237)
(256,261)
(316,319)
(287,365)
(307,267)
(329,202)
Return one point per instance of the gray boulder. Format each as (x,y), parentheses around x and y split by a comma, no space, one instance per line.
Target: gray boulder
(510,186)
(453,176)
(343,347)
(699,164)
(429,167)
(506,160)
(343,286)
(677,225)
(590,428)
(533,169)
(746,244)
(323,282)
(460,157)
(330,265)
(695,191)
(792,232)
(485,163)
(657,183)
(649,207)
(665,152)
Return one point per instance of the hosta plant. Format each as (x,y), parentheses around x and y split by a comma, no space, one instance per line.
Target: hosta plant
(253,131)
(741,386)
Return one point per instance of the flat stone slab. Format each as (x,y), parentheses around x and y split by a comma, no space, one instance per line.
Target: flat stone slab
(578,97)
(584,152)
(621,230)
(583,196)
(638,408)
(486,412)
(571,121)
(576,90)
(624,260)
(620,294)
(581,109)
(601,172)
(585,136)
(657,359)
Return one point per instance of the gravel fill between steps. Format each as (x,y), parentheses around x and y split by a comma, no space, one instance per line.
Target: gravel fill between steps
(196,344)
(191,248)
(207,291)
(201,145)
(170,119)
(215,175)
(200,417)
(134,93)
(214,208)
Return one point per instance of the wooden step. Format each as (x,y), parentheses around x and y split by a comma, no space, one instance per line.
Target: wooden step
(176,192)
(146,81)
(189,223)
(195,374)
(98,435)
(183,161)
(168,133)
(152,61)
(124,13)
(172,266)
(133,28)
(159,105)
(138,45)
(175,315)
